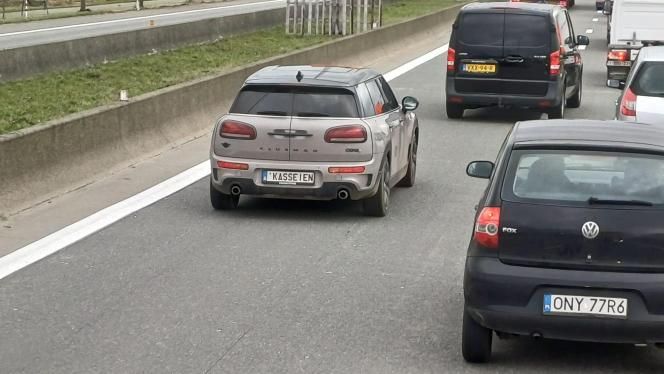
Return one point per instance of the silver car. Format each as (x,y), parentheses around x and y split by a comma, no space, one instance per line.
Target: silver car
(643,97)
(322,133)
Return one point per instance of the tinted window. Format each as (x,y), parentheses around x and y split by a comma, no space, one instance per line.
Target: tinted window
(296,101)
(650,80)
(482,29)
(524,30)
(576,176)
(376,97)
(391,102)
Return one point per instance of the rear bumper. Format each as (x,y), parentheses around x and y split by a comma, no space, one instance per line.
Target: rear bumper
(618,73)
(551,99)
(326,186)
(509,299)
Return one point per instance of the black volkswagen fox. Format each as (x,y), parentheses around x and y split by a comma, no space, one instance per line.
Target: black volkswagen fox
(514,55)
(568,241)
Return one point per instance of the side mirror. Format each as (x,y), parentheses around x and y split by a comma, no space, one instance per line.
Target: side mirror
(582,40)
(409,104)
(480,169)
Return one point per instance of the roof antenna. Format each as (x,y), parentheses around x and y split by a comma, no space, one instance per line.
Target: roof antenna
(299,76)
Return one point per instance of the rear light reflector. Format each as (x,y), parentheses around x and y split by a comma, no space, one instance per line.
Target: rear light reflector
(232,165)
(628,103)
(618,55)
(451,59)
(554,63)
(346,170)
(346,134)
(486,227)
(237,130)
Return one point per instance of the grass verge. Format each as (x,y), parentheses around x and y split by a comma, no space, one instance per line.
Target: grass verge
(36,100)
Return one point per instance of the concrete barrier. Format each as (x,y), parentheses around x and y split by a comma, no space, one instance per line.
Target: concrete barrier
(22,62)
(64,153)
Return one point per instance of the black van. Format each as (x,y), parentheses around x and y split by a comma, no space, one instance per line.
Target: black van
(514,55)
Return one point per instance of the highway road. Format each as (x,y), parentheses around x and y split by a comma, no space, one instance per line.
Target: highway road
(290,287)
(57,30)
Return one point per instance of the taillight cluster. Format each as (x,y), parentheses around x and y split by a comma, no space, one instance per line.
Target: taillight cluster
(486,227)
(451,60)
(618,55)
(554,62)
(237,130)
(346,134)
(628,103)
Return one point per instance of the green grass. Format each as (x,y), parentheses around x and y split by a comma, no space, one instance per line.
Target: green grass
(36,100)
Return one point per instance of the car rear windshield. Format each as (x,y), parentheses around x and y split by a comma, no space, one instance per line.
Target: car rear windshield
(585,177)
(650,80)
(296,101)
(498,29)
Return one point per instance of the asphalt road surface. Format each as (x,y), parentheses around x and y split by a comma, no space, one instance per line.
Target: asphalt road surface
(289,287)
(57,30)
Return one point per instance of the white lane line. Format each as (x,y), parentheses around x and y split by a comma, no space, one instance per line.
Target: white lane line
(137,18)
(69,235)
(589,31)
(582,48)
(595,19)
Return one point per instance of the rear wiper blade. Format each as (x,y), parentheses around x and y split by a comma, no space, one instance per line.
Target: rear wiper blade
(596,200)
(272,113)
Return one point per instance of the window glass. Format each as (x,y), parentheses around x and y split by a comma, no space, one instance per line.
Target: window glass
(524,30)
(391,102)
(376,97)
(263,100)
(337,103)
(577,176)
(482,29)
(650,80)
(365,100)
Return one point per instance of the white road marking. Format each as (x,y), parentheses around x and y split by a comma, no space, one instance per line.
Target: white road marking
(71,234)
(589,31)
(595,19)
(582,48)
(78,25)
(600,12)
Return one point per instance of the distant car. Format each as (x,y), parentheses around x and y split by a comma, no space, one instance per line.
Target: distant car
(568,237)
(323,133)
(514,55)
(562,3)
(642,99)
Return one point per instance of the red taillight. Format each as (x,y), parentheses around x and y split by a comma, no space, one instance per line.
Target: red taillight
(618,55)
(346,170)
(346,134)
(486,228)
(554,63)
(628,103)
(232,165)
(237,130)
(451,59)
(563,3)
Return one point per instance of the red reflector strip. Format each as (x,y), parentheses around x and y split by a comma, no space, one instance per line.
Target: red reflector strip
(232,165)
(346,170)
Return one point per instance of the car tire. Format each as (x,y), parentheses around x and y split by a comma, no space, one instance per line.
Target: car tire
(378,204)
(409,179)
(558,112)
(222,201)
(575,100)
(475,340)
(454,111)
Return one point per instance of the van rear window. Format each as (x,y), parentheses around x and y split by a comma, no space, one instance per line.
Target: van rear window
(499,29)
(576,177)
(650,81)
(482,29)
(525,30)
(297,101)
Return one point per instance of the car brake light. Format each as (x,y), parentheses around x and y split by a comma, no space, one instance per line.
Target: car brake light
(628,103)
(237,130)
(554,63)
(346,134)
(346,170)
(451,59)
(618,55)
(563,3)
(232,165)
(486,228)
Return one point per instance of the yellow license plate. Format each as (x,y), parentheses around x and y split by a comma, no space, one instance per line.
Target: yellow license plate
(479,68)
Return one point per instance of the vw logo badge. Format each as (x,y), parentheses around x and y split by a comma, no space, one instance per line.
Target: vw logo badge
(590,230)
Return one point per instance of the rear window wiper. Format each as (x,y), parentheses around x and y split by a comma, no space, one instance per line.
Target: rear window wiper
(596,200)
(272,113)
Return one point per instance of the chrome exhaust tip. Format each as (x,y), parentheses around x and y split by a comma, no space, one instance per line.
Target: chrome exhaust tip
(235,190)
(343,194)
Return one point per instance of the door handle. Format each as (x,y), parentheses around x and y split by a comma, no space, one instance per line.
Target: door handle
(394,124)
(514,59)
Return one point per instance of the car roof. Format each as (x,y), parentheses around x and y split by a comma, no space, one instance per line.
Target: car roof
(602,133)
(530,7)
(652,53)
(333,76)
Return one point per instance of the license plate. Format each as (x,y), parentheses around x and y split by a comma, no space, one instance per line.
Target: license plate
(619,63)
(479,68)
(288,177)
(585,305)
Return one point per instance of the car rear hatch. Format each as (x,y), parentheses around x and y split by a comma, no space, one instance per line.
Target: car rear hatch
(648,86)
(602,211)
(504,51)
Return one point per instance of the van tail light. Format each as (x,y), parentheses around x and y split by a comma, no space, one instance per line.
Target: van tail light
(451,60)
(618,55)
(554,63)
(346,134)
(628,103)
(486,227)
(237,130)
(346,169)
